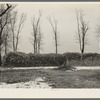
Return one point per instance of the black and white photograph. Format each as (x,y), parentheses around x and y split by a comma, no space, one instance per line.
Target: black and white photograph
(49,45)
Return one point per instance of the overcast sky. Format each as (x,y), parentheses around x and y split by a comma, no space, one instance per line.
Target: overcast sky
(67,26)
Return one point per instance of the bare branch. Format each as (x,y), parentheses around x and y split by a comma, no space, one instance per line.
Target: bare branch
(20,26)
(4,12)
(55,31)
(82,28)
(35,27)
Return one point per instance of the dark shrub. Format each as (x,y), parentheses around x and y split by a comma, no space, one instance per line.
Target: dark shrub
(88,59)
(20,59)
(15,59)
(72,56)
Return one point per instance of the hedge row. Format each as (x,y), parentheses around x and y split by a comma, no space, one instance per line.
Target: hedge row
(87,59)
(20,59)
(27,60)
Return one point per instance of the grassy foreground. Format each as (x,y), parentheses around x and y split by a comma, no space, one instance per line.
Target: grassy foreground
(57,78)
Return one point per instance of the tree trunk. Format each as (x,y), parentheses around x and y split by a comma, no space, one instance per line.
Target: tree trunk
(35,49)
(82,51)
(5,45)
(56,48)
(83,44)
(81,56)
(56,43)
(17,39)
(38,47)
(13,43)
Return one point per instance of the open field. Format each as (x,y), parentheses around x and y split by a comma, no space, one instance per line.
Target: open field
(53,77)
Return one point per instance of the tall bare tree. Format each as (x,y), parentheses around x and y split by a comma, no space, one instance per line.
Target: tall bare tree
(35,26)
(7,39)
(54,25)
(13,28)
(20,26)
(82,28)
(3,22)
(16,29)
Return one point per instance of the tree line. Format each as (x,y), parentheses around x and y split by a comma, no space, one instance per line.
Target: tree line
(11,25)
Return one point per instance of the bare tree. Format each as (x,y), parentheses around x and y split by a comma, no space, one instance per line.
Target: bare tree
(12,25)
(35,26)
(4,16)
(7,39)
(82,28)
(54,26)
(6,42)
(20,26)
(3,21)
(16,29)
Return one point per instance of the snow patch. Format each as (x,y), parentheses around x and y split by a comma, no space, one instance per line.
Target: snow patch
(38,83)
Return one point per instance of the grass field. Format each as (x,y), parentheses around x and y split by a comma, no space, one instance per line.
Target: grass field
(57,78)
